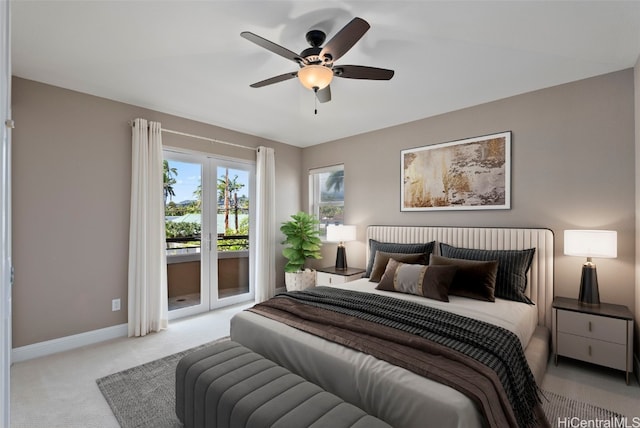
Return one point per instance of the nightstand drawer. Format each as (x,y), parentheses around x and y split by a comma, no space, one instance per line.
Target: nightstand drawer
(323,278)
(591,326)
(593,351)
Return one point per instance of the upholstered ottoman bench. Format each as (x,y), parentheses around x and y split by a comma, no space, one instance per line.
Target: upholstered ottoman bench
(227,385)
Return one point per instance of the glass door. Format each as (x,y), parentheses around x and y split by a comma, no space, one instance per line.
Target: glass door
(234,185)
(208,230)
(183,197)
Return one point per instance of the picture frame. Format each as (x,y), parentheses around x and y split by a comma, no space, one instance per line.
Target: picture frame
(469,174)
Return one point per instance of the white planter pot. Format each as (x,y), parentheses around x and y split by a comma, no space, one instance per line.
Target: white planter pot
(300,280)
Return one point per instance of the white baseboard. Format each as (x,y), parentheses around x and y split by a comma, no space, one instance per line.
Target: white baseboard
(67,343)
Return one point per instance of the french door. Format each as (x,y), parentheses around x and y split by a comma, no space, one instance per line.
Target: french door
(209,229)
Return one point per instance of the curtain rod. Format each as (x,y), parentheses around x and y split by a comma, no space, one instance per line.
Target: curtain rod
(198,137)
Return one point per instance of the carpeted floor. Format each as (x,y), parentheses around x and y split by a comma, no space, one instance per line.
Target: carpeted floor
(144,397)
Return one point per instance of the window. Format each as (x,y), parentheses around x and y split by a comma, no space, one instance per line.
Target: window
(326,196)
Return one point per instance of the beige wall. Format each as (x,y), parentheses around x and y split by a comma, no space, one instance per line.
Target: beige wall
(572,167)
(71,187)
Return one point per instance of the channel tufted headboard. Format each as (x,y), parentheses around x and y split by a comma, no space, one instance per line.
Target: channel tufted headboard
(540,277)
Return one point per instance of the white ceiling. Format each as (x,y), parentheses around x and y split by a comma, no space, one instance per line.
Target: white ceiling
(187,57)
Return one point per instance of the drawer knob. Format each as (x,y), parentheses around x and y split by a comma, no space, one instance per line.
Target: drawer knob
(589,346)
(589,330)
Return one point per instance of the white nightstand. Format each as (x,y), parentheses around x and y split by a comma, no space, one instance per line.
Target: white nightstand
(600,335)
(330,275)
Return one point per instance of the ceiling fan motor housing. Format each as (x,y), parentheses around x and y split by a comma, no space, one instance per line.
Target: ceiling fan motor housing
(316,37)
(312,55)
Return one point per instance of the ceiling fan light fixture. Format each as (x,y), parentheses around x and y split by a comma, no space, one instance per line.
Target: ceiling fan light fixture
(315,76)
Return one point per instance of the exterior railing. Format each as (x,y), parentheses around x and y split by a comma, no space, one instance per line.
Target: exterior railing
(223,242)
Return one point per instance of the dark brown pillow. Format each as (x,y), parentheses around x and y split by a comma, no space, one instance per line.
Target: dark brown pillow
(428,281)
(473,279)
(382,258)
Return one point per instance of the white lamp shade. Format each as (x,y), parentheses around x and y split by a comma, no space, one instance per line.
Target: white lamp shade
(315,76)
(591,243)
(341,233)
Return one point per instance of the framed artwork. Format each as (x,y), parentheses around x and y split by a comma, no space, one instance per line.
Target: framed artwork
(470,174)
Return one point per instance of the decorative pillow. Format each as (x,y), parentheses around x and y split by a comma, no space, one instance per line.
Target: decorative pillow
(381,259)
(428,281)
(392,247)
(473,279)
(511,281)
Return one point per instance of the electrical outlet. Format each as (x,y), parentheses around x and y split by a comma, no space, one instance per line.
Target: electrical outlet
(115,305)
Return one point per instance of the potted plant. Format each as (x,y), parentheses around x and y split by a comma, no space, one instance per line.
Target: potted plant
(303,242)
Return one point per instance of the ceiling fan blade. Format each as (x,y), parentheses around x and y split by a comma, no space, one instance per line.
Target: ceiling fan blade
(345,39)
(324,95)
(276,79)
(362,72)
(273,47)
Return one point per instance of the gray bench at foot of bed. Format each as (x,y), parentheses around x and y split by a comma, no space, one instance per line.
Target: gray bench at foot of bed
(228,385)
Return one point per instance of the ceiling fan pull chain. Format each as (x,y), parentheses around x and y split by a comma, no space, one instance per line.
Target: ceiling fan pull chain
(315,99)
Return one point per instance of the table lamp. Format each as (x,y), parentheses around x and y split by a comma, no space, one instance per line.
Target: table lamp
(590,243)
(341,234)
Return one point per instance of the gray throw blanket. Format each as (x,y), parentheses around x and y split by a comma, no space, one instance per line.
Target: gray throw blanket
(493,347)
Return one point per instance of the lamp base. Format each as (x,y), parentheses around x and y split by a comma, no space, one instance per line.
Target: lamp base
(341,258)
(589,295)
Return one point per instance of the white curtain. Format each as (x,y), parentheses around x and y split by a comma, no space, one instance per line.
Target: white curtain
(148,306)
(265,271)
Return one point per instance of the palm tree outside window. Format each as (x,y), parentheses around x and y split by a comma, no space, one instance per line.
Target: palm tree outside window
(327,196)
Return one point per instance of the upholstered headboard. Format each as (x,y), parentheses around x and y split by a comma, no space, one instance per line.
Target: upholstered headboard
(540,277)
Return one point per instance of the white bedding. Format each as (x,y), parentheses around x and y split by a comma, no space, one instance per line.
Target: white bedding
(380,388)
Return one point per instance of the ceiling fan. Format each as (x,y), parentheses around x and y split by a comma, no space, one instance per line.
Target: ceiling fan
(316,63)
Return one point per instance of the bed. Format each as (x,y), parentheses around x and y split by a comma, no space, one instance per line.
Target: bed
(395,394)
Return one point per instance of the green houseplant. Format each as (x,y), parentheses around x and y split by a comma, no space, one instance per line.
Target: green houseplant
(302,242)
